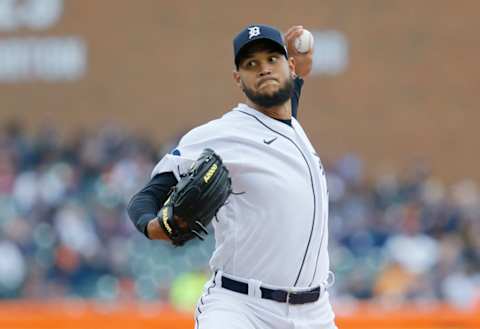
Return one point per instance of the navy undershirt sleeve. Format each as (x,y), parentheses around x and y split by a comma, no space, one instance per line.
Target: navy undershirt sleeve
(297,89)
(145,205)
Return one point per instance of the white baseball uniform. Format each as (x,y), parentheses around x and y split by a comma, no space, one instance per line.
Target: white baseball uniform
(273,232)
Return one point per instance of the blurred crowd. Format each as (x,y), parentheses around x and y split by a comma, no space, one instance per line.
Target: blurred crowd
(404,237)
(64,231)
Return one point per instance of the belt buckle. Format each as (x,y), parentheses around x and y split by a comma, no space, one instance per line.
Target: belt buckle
(289,295)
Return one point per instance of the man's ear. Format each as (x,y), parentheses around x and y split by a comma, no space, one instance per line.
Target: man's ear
(291,66)
(236,78)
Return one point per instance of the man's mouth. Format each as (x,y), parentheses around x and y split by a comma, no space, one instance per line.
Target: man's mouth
(262,81)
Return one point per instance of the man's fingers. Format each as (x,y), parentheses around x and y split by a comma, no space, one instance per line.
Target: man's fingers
(181,222)
(292,28)
(293,32)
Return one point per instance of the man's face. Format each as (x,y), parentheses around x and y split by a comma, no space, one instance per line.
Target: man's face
(265,75)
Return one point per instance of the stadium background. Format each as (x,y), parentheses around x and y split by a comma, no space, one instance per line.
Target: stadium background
(92,93)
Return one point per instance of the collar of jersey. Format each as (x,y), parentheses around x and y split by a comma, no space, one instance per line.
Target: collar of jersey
(273,124)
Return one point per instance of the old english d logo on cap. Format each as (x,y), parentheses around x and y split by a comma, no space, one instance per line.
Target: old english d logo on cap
(253,31)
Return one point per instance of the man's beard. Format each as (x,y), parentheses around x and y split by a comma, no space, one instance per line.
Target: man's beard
(275,99)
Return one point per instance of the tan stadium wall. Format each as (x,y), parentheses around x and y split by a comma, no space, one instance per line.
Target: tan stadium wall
(160,67)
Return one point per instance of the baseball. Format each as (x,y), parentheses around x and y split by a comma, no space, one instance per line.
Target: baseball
(304,42)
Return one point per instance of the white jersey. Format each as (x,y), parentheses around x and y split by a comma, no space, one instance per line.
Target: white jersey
(274,229)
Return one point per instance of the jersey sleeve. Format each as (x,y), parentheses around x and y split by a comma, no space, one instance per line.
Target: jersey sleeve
(297,84)
(181,159)
(176,162)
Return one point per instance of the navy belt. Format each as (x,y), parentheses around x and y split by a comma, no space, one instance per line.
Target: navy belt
(278,295)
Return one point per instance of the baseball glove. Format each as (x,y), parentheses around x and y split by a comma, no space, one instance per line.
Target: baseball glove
(195,200)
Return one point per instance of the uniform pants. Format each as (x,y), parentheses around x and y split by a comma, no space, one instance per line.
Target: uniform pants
(219,308)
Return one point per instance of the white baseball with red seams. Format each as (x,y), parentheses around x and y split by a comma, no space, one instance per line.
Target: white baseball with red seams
(304,42)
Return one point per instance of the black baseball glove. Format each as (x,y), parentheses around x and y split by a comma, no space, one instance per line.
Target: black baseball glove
(195,200)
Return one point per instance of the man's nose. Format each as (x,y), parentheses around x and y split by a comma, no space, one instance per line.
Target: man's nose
(265,69)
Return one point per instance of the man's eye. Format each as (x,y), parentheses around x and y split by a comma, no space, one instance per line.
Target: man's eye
(251,64)
(273,59)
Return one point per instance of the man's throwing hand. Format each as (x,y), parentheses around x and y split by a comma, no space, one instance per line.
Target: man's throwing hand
(303,61)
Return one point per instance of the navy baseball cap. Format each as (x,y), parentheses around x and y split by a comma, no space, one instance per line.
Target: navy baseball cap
(258,32)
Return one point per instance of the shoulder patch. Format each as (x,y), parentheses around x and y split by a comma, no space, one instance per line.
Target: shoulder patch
(175,152)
